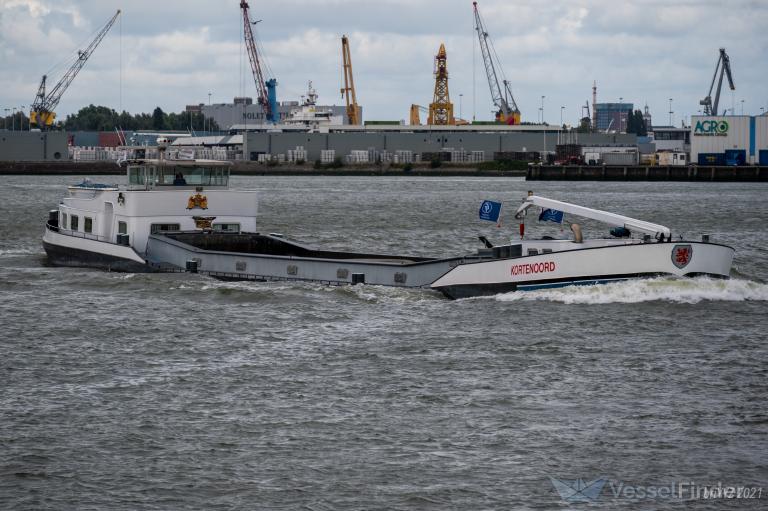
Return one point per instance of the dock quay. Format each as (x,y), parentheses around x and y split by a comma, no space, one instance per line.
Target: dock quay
(647,173)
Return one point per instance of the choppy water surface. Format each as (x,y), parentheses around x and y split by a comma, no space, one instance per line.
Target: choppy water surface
(123,391)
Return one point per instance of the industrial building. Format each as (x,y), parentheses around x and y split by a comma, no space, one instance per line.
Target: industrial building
(729,140)
(33,146)
(493,141)
(612,116)
(667,138)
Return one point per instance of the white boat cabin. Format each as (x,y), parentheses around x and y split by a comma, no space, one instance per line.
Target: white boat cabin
(160,195)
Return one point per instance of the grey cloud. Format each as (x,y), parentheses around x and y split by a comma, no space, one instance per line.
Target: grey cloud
(175,52)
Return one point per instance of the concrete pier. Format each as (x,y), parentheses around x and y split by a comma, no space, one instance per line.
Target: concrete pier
(645,173)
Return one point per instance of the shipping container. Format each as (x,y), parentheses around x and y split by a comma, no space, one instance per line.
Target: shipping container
(671,158)
(711,159)
(109,139)
(622,158)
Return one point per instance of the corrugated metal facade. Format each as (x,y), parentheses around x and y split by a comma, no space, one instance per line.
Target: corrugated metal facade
(33,146)
(728,139)
(421,142)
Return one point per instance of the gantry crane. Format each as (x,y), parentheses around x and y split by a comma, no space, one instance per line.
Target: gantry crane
(507,113)
(267,89)
(41,112)
(441,108)
(353,110)
(724,67)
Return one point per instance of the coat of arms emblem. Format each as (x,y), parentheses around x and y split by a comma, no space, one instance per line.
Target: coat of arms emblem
(681,255)
(197,201)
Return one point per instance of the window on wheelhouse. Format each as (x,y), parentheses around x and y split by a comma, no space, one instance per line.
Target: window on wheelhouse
(141,175)
(122,228)
(226,227)
(155,228)
(181,175)
(63,223)
(73,221)
(88,224)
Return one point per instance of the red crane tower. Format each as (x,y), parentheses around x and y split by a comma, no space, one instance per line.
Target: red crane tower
(266,88)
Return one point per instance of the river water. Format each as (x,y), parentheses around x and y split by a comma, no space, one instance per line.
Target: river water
(174,391)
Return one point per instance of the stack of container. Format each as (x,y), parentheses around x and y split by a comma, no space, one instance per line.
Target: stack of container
(477,157)
(297,154)
(327,155)
(459,156)
(357,157)
(402,156)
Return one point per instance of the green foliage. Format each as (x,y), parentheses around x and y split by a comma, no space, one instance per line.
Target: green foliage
(300,162)
(272,163)
(636,123)
(337,163)
(584,125)
(158,119)
(503,165)
(407,167)
(102,118)
(435,163)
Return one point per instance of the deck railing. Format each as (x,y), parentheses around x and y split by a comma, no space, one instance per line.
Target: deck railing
(78,234)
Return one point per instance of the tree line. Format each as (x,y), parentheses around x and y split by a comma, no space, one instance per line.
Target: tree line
(635,124)
(102,118)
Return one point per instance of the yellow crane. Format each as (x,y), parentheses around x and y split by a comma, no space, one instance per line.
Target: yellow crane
(41,112)
(353,109)
(441,108)
(415,111)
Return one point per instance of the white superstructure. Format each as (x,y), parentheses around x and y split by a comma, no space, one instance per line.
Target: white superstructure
(108,225)
(308,114)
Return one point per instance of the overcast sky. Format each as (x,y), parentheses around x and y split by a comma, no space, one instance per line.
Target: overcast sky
(173,53)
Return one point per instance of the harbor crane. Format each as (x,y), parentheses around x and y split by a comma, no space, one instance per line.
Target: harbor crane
(41,112)
(441,108)
(353,109)
(724,67)
(267,89)
(416,111)
(507,113)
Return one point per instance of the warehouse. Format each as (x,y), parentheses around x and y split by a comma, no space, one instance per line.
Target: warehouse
(492,140)
(33,146)
(729,140)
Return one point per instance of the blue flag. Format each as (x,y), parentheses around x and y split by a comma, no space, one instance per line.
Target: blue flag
(551,215)
(490,211)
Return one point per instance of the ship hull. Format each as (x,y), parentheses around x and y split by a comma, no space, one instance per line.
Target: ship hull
(586,267)
(65,250)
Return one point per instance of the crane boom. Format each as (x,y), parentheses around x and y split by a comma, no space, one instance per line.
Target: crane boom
(41,113)
(724,67)
(508,112)
(353,110)
(266,98)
